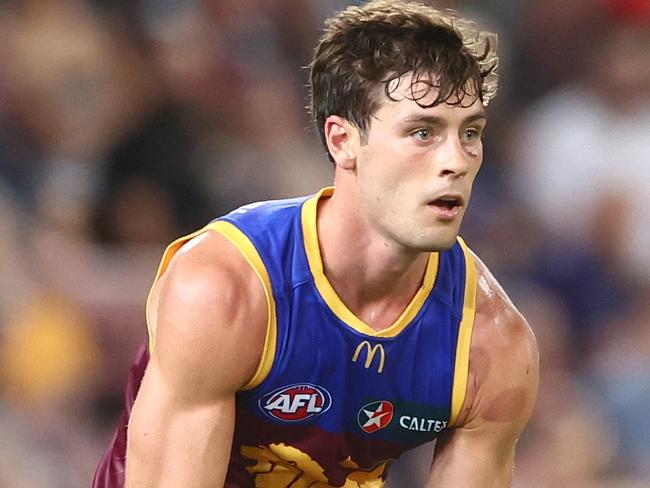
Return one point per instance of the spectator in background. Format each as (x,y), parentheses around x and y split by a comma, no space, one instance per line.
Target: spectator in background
(618,371)
(582,168)
(73,90)
(567,419)
(583,164)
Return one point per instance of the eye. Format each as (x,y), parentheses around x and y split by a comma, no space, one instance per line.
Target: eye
(422,134)
(472,134)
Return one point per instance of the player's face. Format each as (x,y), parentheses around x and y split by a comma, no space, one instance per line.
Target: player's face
(417,169)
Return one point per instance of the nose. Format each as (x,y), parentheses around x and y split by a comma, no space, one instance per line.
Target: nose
(453,158)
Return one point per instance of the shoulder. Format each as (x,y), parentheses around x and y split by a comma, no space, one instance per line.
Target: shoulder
(208,311)
(498,324)
(504,359)
(211,272)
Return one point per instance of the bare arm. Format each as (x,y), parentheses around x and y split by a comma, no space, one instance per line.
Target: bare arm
(501,393)
(208,313)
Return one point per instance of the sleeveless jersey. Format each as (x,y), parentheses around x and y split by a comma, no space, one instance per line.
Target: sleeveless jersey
(333,401)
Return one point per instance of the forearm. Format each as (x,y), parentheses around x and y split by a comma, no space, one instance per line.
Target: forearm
(172,446)
(471,475)
(465,463)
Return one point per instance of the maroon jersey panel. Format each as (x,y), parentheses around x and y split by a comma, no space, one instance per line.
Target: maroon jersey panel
(110,472)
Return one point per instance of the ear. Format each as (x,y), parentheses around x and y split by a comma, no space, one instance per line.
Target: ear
(342,141)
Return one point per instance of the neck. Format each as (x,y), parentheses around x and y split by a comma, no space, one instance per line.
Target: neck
(373,276)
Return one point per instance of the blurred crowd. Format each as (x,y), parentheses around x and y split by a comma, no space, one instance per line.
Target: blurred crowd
(126,123)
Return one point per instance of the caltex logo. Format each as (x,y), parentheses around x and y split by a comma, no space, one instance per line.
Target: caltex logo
(375,416)
(298,402)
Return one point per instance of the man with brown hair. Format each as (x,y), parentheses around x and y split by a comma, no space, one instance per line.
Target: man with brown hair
(309,342)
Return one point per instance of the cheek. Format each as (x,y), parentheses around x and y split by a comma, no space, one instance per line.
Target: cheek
(476,170)
(380,168)
(476,164)
(390,172)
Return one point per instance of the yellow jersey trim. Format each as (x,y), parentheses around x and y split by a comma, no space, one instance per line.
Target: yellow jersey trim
(333,301)
(249,252)
(461,368)
(162,267)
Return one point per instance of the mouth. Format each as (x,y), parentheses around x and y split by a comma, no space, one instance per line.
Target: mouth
(447,206)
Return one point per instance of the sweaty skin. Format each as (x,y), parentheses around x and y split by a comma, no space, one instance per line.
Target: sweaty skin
(208,312)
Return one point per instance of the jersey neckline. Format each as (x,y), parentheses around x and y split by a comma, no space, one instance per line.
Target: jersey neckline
(329,295)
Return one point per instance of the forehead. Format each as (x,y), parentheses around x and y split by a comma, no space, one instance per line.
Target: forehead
(407,95)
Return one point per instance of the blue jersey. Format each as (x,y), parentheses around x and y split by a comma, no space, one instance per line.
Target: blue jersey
(334,401)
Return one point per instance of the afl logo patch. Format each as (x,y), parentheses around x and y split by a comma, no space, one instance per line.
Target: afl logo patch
(295,403)
(375,416)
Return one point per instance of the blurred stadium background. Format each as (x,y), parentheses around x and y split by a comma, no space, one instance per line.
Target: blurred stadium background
(125,123)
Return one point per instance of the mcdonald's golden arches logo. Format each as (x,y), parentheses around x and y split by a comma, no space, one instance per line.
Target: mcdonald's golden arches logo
(371,351)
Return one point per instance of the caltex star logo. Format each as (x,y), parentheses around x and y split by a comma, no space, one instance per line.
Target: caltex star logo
(375,416)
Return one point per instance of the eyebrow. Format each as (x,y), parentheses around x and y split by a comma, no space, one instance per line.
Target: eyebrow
(432,119)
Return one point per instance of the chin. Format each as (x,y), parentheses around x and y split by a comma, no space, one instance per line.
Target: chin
(437,244)
(444,245)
